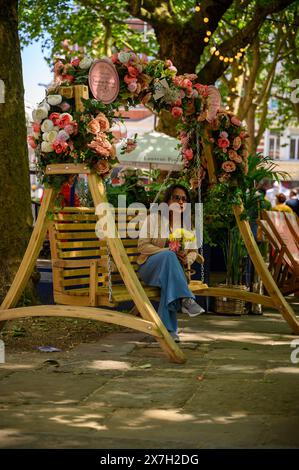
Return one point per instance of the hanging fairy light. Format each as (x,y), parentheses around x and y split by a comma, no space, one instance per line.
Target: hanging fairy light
(206,39)
(206,19)
(208,33)
(197,8)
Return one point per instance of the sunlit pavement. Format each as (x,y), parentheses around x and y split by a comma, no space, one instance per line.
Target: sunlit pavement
(238,389)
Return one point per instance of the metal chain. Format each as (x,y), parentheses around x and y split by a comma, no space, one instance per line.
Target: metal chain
(109,265)
(202,269)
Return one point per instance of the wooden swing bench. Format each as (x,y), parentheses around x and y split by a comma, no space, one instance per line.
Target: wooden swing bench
(80,273)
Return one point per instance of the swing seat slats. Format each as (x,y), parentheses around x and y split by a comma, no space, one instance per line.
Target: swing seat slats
(80,259)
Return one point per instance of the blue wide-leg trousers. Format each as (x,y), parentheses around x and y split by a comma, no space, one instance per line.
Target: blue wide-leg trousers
(165,271)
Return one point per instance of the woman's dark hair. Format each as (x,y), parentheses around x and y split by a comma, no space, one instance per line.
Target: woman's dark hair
(169,192)
(281,198)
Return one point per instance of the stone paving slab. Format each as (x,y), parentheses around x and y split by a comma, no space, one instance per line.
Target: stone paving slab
(238,389)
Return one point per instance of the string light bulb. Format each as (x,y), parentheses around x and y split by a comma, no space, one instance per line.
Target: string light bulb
(217,53)
(231,59)
(225,59)
(206,19)
(221,57)
(208,33)
(197,8)
(240,67)
(206,39)
(233,89)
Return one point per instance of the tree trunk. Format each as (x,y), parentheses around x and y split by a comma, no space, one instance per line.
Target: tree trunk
(15,208)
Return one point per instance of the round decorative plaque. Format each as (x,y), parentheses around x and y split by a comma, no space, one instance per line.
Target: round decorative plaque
(103,81)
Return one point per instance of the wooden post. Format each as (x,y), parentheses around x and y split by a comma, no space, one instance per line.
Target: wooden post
(129,277)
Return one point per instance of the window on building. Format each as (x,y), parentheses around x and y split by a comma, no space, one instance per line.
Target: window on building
(274,146)
(294,148)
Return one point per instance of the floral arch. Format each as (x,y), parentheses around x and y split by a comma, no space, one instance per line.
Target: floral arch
(70,126)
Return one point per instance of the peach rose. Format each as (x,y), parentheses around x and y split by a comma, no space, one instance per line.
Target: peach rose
(103,121)
(234,156)
(94,126)
(102,167)
(237,143)
(228,166)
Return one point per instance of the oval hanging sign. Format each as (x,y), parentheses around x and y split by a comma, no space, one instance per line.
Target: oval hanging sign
(103,81)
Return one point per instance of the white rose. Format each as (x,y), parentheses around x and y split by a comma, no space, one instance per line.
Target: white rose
(39,114)
(44,104)
(85,63)
(54,100)
(45,136)
(55,128)
(46,147)
(124,57)
(62,135)
(47,125)
(51,136)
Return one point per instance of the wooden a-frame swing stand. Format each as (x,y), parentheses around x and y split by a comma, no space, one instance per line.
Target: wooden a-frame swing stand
(149,320)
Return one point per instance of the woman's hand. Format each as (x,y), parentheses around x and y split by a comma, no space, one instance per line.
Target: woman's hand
(182,255)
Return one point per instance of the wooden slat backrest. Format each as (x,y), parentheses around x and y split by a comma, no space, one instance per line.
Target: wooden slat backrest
(76,243)
(280,227)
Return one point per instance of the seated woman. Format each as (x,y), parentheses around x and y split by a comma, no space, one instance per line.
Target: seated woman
(162,267)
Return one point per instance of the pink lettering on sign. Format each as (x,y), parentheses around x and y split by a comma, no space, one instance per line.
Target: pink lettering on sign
(103,81)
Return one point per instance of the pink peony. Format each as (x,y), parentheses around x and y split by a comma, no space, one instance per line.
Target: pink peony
(228,166)
(235,121)
(60,146)
(71,128)
(223,143)
(176,112)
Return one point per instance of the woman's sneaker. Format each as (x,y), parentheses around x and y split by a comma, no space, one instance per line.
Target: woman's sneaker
(191,307)
(175,336)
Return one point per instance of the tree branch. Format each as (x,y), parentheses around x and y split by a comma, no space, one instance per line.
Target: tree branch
(214,68)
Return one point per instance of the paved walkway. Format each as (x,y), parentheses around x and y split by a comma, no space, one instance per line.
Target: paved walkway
(238,389)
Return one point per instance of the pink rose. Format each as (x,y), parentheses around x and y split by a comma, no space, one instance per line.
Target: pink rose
(132,87)
(31,142)
(174,245)
(133,71)
(36,127)
(188,154)
(228,166)
(242,135)
(186,83)
(59,146)
(235,121)
(202,89)
(114,58)
(223,135)
(71,128)
(54,118)
(128,79)
(64,106)
(64,120)
(68,78)
(172,68)
(168,63)
(182,94)
(176,112)
(223,143)
(178,102)
(75,62)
